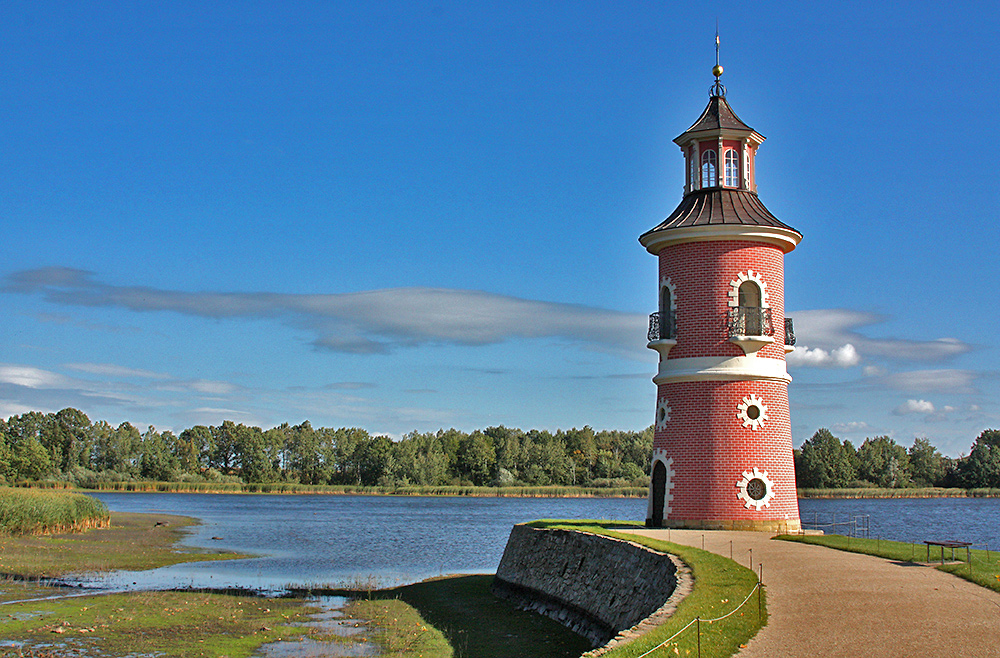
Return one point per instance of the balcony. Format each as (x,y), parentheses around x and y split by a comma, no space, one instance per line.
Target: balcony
(750,328)
(662,326)
(662,332)
(789,332)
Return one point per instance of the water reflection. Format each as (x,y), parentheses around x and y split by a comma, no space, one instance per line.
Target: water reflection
(309,541)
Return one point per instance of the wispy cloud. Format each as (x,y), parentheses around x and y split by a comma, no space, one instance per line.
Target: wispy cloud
(370,322)
(112,370)
(831,330)
(920,381)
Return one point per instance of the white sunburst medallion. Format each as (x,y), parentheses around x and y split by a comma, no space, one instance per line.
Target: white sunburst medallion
(752,412)
(755,489)
(662,413)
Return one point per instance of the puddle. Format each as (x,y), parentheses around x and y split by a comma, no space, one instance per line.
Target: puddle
(329,622)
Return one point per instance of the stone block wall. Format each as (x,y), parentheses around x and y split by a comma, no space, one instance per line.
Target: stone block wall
(597,586)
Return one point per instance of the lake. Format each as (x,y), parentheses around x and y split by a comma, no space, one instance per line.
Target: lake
(309,540)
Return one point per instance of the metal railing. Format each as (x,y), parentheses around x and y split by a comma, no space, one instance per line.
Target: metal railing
(662,326)
(750,321)
(850,525)
(789,332)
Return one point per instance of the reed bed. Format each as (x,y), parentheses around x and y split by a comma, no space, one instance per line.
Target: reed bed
(903,492)
(401,490)
(35,512)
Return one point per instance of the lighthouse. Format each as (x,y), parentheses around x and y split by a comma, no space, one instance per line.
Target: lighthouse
(722,447)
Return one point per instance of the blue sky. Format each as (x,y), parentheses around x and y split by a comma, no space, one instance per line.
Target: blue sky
(406,216)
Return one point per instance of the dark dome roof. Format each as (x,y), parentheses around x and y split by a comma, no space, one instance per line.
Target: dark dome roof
(720,206)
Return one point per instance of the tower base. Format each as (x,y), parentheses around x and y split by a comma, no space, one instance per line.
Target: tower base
(777,526)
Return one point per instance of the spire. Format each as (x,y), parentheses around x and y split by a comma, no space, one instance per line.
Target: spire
(718,89)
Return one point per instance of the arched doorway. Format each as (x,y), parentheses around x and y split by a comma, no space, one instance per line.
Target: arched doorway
(659,493)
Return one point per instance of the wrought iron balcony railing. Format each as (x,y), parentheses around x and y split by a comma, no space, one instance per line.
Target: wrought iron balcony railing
(750,321)
(662,326)
(789,332)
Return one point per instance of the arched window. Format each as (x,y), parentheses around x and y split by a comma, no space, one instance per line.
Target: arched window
(666,314)
(708,168)
(750,309)
(732,168)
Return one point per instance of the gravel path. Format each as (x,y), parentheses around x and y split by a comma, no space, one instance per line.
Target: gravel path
(829,603)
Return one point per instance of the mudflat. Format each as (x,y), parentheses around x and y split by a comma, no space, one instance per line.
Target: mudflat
(824,602)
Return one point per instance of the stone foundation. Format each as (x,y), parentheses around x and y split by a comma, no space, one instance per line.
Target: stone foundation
(598,586)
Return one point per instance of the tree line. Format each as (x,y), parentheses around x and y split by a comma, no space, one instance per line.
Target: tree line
(826,462)
(67,446)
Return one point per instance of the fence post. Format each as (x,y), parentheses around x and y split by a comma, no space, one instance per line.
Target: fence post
(699,636)
(751,559)
(730,549)
(760,584)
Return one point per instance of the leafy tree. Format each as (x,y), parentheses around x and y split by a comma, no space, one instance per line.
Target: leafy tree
(222,455)
(982,467)
(824,462)
(927,467)
(476,459)
(157,461)
(883,462)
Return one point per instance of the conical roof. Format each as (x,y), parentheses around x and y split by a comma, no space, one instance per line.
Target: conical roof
(718,116)
(720,206)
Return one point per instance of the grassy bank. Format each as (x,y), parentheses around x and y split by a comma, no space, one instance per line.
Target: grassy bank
(444,490)
(875,492)
(181,624)
(983,567)
(130,541)
(479,625)
(31,511)
(720,586)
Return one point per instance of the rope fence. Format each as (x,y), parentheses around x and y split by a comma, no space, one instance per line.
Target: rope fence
(697,621)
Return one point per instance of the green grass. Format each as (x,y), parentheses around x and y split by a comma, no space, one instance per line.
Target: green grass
(982,569)
(479,625)
(131,541)
(166,624)
(720,585)
(30,511)
(401,631)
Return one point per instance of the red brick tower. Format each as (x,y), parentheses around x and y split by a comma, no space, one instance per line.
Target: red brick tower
(722,452)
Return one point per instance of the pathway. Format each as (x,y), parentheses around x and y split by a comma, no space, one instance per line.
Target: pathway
(829,603)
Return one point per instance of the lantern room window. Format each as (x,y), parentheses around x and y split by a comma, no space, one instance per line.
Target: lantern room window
(708,168)
(732,168)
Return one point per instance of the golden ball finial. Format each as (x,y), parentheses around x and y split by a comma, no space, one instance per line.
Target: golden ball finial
(717,70)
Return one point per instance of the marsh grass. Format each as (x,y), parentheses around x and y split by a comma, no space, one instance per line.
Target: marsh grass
(422,490)
(401,631)
(983,567)
(42,511)
(131,542)
(914,492)
(182,624)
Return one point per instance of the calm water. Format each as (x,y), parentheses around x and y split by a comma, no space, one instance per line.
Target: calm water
(310,540)
(313,540)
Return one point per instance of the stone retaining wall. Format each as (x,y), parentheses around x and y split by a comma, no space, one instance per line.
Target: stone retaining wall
(597,586)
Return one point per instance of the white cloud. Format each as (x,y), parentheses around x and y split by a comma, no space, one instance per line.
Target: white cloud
(111,370)
(375,321)
(841,357)
(914,407)
(31,377)
(830,329)
(919,381)
(847,428)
